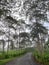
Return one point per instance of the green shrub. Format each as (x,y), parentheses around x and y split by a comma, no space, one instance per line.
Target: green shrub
(11,54)
(6,56)
(41,58)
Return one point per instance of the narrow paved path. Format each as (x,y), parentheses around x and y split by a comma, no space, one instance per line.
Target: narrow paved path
(24,60)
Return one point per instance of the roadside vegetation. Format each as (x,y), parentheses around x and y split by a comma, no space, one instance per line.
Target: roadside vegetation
(42,58)
(6,57)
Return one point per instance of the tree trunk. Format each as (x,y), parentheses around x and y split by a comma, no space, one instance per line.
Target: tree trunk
(8,41)
(3,47)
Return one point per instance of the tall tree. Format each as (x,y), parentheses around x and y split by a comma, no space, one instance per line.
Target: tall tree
(10,21)
(2,40)
(37,32)
(24,38)
(20,27)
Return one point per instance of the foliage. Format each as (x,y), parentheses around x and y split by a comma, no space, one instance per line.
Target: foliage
(41,58)
(38,33)
(38,29)
(2,62)
(36,9)
(11,54)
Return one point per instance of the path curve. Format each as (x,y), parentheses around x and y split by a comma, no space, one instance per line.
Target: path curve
(24,60)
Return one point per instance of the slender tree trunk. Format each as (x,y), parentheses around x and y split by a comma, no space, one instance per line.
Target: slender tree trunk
(41,44)
(38,45)
(12,45)
(42,48)
(8,41)
(8,46)
(19,40)
(3,46)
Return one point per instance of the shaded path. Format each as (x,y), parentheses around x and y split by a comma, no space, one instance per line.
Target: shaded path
(24,60)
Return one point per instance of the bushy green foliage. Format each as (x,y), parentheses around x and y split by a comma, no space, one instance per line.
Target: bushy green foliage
(41,58)
(10,55)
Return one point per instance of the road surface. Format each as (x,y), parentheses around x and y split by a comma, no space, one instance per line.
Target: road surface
(24,60)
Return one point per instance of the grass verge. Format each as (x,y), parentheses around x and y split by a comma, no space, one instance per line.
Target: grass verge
(10,56)
(42,59)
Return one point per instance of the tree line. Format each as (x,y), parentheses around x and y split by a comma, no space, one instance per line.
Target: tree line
(36,12)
